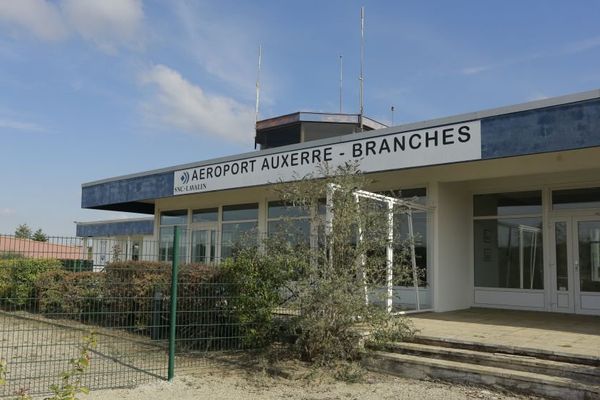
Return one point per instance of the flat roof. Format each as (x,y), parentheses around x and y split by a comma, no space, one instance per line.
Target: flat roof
(338,118)
(512,109)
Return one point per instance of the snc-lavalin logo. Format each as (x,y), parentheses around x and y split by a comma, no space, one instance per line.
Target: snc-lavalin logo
(185,177)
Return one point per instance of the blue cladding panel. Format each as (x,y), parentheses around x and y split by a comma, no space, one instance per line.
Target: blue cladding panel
(128,190)
(567,127)
(117,228)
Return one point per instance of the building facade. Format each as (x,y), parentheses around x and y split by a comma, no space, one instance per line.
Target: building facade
(513,195)
(111,240)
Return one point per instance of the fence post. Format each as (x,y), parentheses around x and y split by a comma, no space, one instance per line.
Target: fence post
(173,312)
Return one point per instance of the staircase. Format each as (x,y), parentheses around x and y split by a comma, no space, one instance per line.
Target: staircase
(537,372)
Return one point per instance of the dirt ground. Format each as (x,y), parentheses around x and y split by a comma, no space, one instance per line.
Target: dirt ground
(37,351)
(225,382)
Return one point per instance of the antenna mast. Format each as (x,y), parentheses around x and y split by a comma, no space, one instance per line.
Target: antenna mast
(258,84)
(341,80)
(362,60)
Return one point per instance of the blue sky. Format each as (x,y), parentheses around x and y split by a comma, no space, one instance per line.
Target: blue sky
(91,89)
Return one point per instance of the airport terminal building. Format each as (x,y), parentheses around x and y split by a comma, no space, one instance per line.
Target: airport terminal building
(513,196)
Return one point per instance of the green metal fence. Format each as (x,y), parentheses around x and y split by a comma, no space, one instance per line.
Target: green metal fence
(55,293)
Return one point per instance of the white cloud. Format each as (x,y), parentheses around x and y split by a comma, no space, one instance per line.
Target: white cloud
(179,104)
(107,23)
(12,124)
(40,18)
(6,211)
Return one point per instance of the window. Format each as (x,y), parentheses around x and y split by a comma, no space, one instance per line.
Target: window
(204,235)
(136,249)
(239,227)
(292,221)
(405,278)
(502,204)
(508,237)
(205,215)
(576,198)
(168,221)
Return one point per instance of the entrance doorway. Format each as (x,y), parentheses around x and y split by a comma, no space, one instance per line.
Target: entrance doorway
(575,264)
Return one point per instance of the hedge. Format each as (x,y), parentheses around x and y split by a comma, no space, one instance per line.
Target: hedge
(135,295)
(18,277)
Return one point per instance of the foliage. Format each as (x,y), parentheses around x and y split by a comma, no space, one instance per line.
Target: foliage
(39,236)
(10,255)
(23,231)
(72,380)
(258,282)
(131,294)
(324,281)
(18,276)
(73,295)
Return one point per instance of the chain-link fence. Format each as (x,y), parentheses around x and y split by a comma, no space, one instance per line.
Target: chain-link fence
(55,293)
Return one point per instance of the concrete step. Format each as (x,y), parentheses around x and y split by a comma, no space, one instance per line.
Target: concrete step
(566,357)
(585,374)
(418,367)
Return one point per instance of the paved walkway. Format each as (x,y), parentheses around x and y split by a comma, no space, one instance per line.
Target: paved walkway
(558,333)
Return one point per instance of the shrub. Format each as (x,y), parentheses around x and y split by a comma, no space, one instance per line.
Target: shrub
(18,276)
(73,295)
(328,280)
(132,294)
(258,281)
(130,287)
(139,291)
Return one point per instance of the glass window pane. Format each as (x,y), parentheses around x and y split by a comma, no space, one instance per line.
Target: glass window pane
(516,203)
(200,246)
(166,244)
(508,253)
(278,209)
(562,266)
(296,231)
(589,255)
(576,198)
(236,235)
(405,278)
(240,212)
(175,217)
(206,215)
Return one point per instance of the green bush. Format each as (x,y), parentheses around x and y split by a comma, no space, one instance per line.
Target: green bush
(18,277)
(258,281)
(71,295)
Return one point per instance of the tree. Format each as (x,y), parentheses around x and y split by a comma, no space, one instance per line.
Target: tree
(39,236)
(23,231)
(322,281)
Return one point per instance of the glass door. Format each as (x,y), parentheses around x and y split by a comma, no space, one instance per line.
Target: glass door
(561,267)
(204,248)
(575,265)
(586,234)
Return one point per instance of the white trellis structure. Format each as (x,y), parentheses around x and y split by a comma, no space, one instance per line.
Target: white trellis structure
(407,208)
